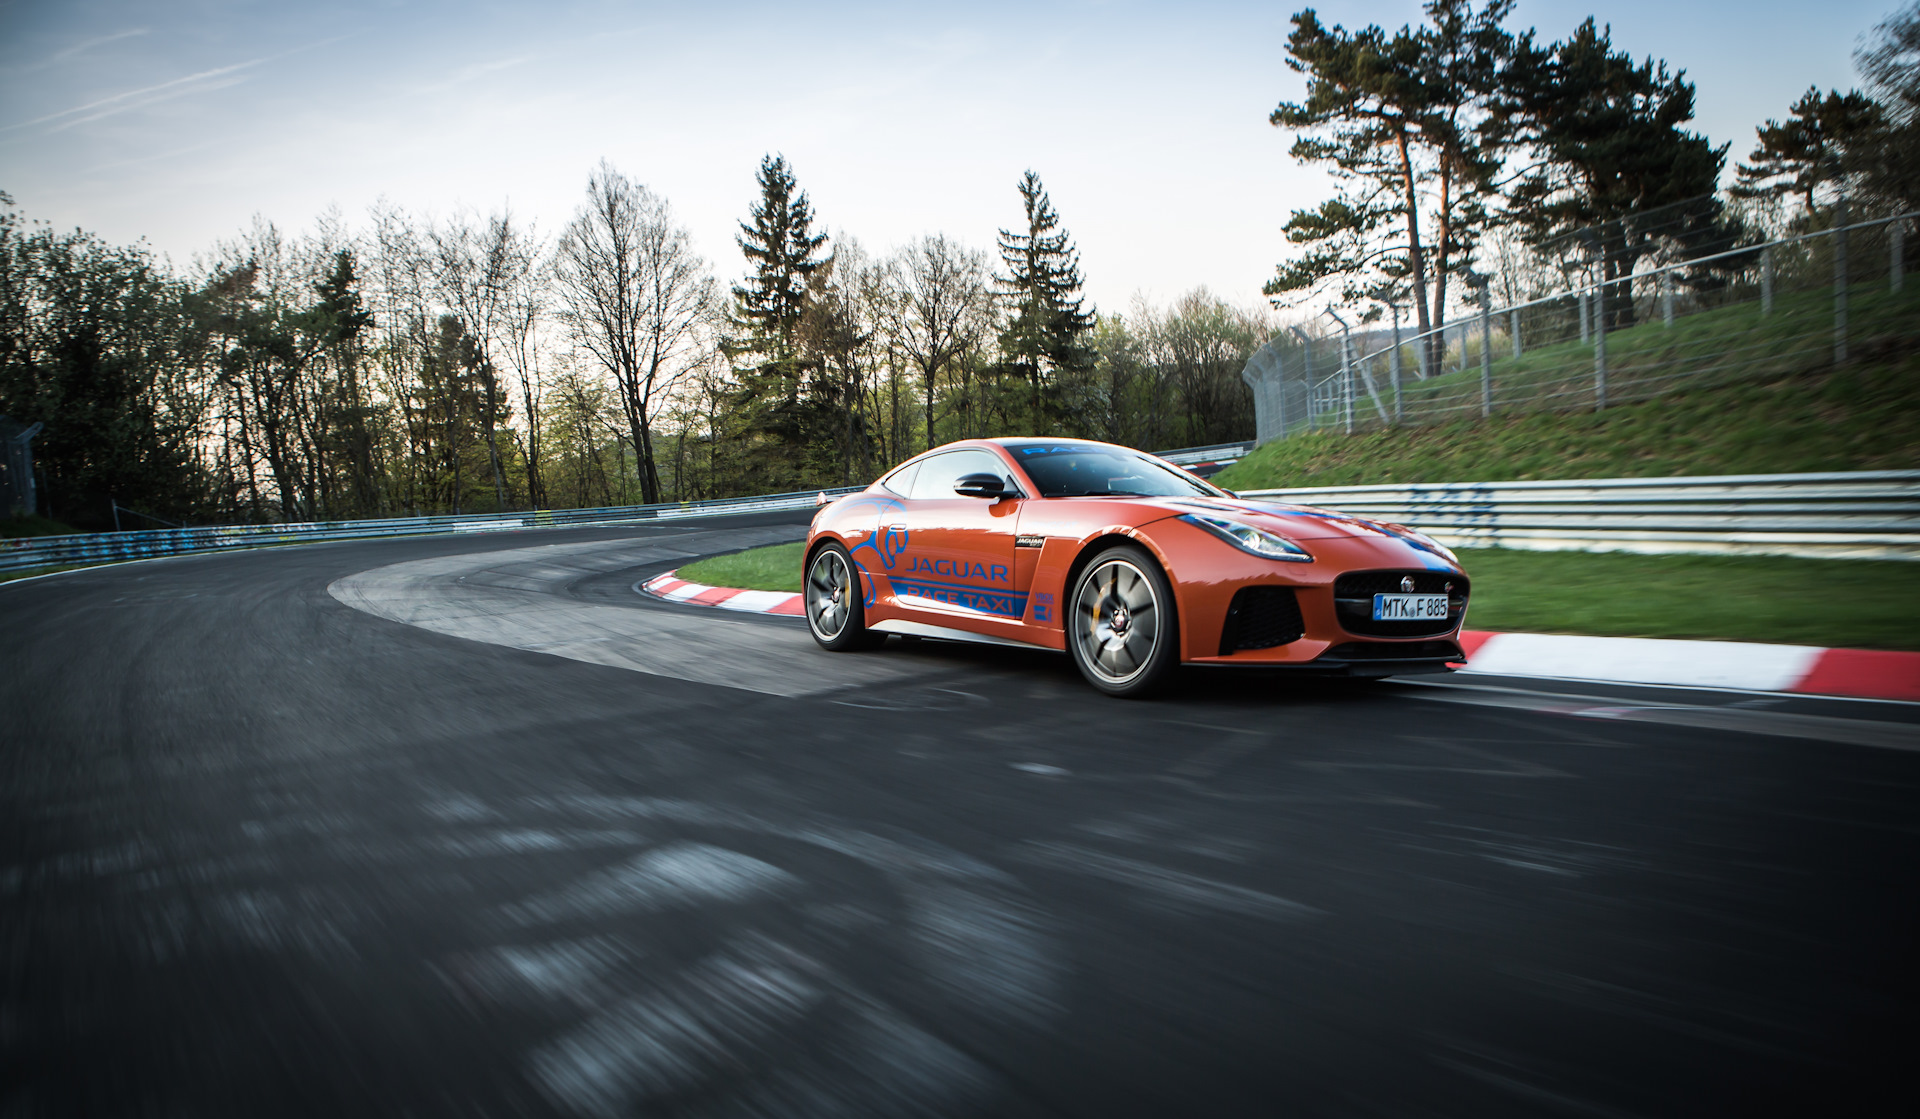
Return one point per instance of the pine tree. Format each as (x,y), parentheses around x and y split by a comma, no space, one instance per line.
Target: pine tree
(783,252)
(1046,339)
(1611,156)
(1825,139)
(1406,125)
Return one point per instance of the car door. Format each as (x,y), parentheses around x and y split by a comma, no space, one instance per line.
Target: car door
(958,560)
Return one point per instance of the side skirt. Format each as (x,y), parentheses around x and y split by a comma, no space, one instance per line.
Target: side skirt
(922,629)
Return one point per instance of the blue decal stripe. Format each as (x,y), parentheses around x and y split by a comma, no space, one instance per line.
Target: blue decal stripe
(1004,603)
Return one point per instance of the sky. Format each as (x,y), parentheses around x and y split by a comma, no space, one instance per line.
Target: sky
(179,121)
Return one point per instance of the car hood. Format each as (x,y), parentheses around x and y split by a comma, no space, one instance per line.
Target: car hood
(1296,522)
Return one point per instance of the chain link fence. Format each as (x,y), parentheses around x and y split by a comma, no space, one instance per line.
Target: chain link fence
(1597,331)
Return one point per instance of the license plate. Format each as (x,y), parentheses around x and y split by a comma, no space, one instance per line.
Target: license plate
(1409,607)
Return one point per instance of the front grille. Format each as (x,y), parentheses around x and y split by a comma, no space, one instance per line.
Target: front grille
(1353,601)
(1261,618)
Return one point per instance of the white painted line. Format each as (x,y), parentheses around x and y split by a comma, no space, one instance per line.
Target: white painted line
(756,602)
(1634,660)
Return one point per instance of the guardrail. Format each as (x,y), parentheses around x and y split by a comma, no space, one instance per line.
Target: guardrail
(111,547)
(1868,514)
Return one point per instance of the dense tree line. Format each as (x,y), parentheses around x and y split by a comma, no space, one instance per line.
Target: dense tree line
(1458,143)
(473,364)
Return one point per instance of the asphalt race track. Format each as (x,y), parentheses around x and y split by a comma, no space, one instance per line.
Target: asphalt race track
(466,826)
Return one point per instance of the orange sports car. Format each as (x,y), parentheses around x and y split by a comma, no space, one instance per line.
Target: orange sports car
(1128,563)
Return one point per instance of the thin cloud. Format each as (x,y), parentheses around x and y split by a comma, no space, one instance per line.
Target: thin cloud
(60,56)
(218,78)
(57,57)
(205,81)
(477,70)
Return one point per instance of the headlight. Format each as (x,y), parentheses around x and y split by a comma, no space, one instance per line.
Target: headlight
(1247,538)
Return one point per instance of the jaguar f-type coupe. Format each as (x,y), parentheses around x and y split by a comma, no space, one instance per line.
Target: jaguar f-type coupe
(1126,562)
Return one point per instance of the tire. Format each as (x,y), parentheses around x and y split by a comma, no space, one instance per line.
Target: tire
(1123,632)
(830,590)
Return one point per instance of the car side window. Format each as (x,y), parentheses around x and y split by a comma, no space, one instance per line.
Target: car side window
(938,474)
(900,482)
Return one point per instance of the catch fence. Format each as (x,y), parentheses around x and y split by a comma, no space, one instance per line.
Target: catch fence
(1608,336)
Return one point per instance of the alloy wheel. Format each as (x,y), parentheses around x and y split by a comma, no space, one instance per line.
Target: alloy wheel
(1116,621)
(829,586)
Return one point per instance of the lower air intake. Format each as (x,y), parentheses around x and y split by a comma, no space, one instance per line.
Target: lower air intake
(1261,618)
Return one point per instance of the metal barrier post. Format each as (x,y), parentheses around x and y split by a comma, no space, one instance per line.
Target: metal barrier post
(1393,364)
(1513,328)
(1897,263)
(1484,286)
(1306,368)
(1586,333)
(1840,281)
(1666,298)
(1766,281)
(1600,346)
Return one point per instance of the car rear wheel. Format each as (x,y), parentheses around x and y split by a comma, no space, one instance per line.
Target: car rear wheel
(835,615)
(1123,635)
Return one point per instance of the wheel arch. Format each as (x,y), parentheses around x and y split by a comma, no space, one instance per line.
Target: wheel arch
(1108,539)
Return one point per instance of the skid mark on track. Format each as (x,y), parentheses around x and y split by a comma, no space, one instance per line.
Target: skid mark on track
(1166,887)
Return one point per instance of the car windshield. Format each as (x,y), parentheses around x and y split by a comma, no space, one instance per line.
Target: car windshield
(1080,470)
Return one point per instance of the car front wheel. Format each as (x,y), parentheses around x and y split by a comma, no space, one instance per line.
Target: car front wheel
(1123,633)
(835,615)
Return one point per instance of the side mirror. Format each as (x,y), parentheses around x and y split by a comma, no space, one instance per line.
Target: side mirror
(989,486)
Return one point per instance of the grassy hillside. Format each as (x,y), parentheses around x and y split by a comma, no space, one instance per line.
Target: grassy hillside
(1766,399)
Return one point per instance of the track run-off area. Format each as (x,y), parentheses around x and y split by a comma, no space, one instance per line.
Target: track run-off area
(469,826)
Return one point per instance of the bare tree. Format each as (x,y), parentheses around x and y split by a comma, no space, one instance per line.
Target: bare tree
(634,295)
(941,309)
(474,268)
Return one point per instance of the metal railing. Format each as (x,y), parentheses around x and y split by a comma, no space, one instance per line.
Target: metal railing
(1872,514)
(1867,514)
(111,547)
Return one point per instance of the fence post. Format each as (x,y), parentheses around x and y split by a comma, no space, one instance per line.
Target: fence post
(1513,328)
(1840,281)
(1586,333)
(1897,265)
(1306,371)
(1346,383)
(1600,345)
(1666,298)
(1393,364)
(1766,281)
(1486,343)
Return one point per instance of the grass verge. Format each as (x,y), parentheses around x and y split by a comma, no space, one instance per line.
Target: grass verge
(1860,604)
(28,573)
(773,568)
